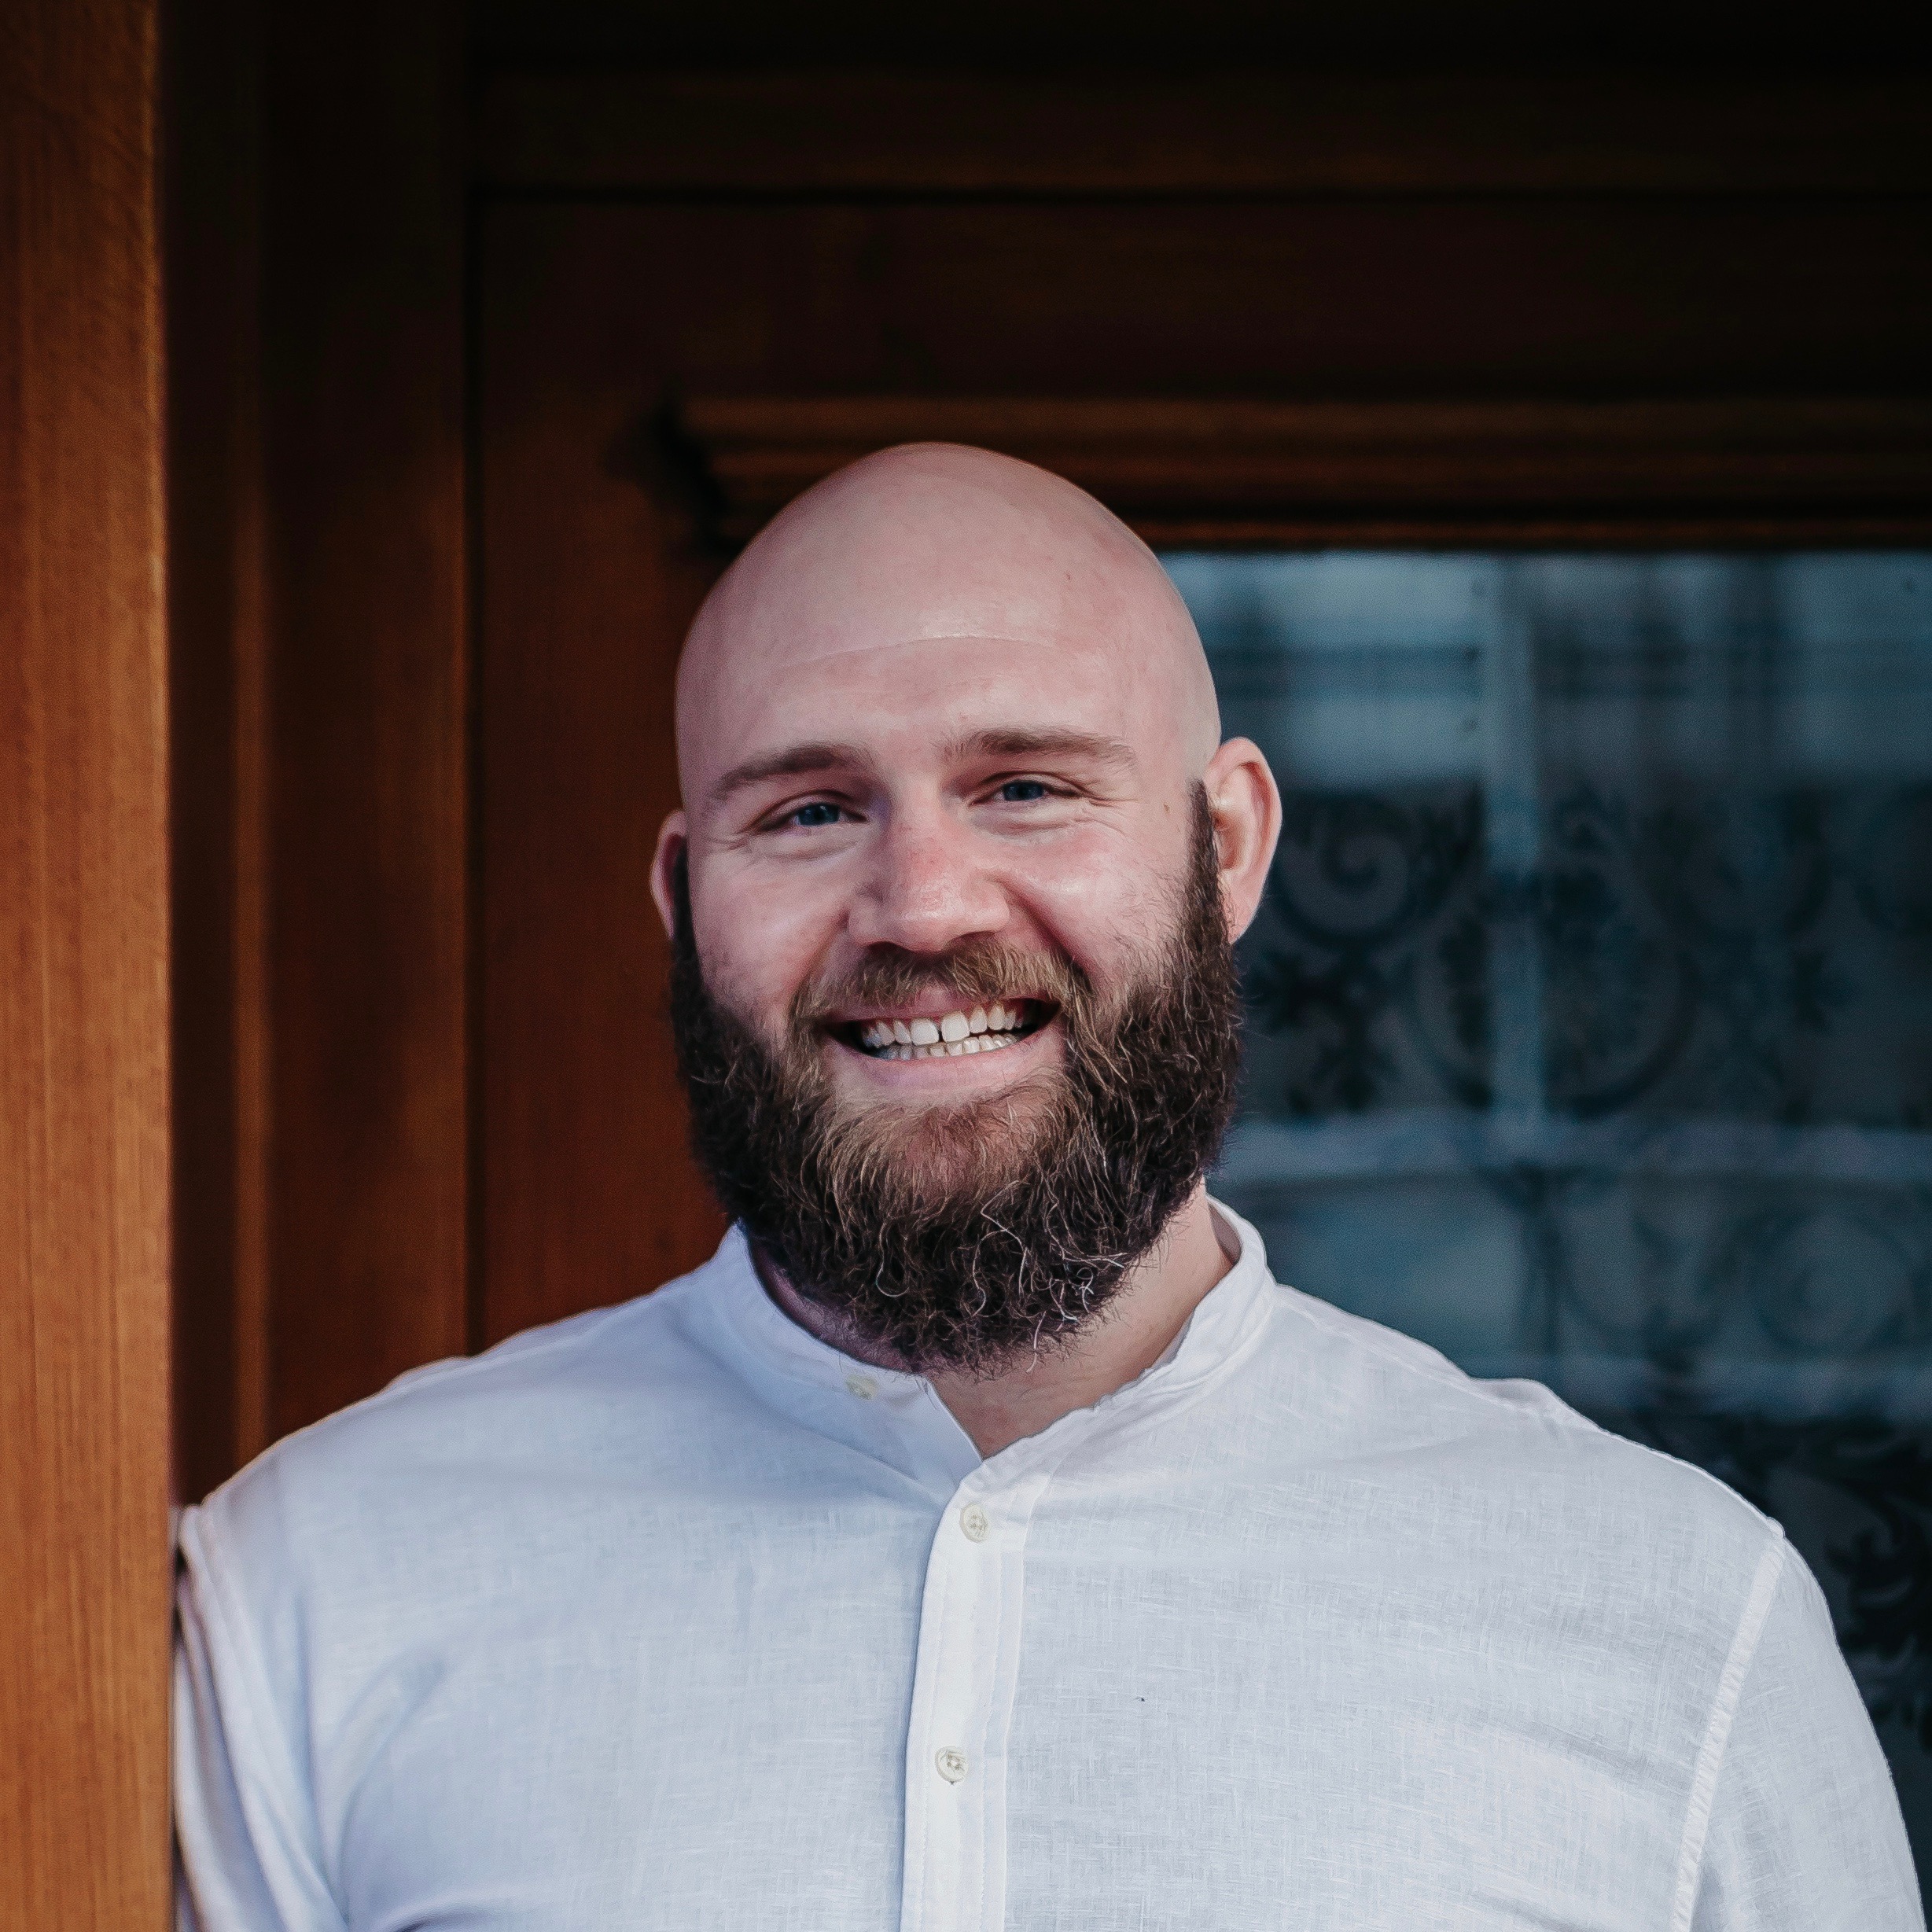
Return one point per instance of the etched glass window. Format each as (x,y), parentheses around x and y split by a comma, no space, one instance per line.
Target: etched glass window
(1590,1010)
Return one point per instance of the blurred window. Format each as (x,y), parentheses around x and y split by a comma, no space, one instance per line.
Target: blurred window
(1590,1010)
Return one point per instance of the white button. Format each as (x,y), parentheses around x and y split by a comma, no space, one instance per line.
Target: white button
(862,1386)
(975,1522)
(951,1762)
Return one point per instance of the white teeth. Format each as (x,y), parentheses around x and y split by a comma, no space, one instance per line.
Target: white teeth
(985,1029)
(948,1049)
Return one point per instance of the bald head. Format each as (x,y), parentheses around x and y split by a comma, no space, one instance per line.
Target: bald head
(946,700)
(932,544)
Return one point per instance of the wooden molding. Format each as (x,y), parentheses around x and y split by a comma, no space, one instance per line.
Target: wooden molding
(1255,133)
(1220,472)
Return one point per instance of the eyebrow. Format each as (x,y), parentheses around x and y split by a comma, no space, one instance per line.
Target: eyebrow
(800,760)
(793,762)
(1049,744)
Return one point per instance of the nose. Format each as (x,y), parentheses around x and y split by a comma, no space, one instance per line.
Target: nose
(927,887)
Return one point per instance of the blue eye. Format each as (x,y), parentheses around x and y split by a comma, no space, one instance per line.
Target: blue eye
(818,813)
(1021,792)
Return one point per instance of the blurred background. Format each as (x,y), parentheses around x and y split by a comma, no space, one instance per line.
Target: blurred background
(1533,406)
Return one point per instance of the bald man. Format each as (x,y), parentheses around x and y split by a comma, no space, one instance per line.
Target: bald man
(983,1538)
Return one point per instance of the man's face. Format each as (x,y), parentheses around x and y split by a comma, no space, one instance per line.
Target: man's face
(943,743)
(934,795)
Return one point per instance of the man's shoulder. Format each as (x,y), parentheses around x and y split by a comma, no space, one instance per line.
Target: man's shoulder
(1508,1457)
(631,1387)
(576,1365)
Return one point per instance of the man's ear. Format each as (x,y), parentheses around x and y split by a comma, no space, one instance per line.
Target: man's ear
(671,843)
(1246,806)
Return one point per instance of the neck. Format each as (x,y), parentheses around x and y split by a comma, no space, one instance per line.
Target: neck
(1150,1309)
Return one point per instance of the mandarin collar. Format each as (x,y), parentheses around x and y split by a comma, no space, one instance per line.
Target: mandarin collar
(898,1418)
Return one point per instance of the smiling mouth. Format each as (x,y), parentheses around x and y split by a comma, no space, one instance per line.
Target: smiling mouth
(981,1029)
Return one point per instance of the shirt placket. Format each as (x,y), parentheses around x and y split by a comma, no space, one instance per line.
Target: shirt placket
(963,1685)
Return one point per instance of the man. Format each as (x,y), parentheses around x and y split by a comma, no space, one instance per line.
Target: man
(983,1538)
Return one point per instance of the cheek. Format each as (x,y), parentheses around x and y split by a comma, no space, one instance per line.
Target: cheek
(759,940)
(1102,899)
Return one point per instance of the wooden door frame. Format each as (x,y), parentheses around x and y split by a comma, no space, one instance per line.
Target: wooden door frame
(84,1132)
(321,819)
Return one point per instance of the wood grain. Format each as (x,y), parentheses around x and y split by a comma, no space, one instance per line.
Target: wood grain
(1254,132)
(594,566)
(84,1565)
(1384,302)
(368,838)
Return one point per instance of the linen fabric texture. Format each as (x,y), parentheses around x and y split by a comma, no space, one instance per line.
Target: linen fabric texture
(672,1615)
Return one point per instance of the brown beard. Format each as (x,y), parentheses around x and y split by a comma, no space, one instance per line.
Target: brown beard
(962,1236)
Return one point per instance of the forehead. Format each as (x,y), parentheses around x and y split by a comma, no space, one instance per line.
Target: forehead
(932,592)
(911,630)
(929,702)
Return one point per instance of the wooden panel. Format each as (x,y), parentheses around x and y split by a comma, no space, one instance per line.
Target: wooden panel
(363,423)
(1380,300)
(1190,472)
(1248,132)
(593,572)
(84,1564)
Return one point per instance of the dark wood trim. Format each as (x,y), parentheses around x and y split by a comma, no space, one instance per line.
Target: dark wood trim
(1743,470)
(84,1547)
(362,432)
(916,132)
(218,727)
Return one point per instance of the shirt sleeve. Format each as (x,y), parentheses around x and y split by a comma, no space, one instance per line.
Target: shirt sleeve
(248,1857)
(1803,1831)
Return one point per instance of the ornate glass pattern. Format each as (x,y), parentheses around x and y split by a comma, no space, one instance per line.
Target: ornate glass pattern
(1590,1010)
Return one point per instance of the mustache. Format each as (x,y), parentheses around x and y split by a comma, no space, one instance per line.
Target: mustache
(975,972)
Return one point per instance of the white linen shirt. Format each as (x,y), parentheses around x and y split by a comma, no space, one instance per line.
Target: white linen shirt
(671,1616)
